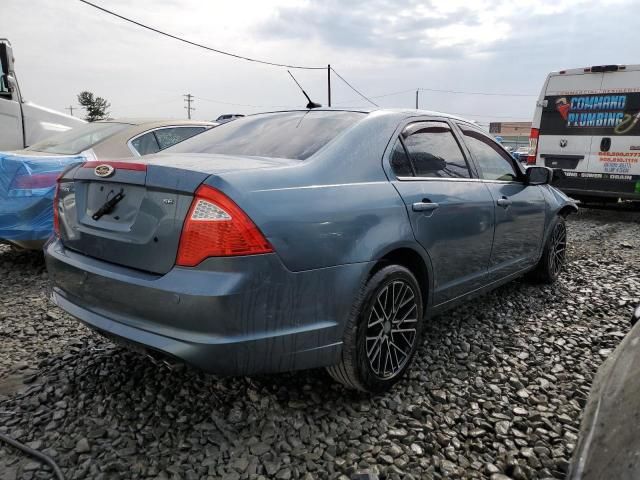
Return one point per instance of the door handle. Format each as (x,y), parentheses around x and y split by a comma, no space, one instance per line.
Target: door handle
(425,206)
(504,202)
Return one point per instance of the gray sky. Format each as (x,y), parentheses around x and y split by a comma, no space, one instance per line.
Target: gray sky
(380,46)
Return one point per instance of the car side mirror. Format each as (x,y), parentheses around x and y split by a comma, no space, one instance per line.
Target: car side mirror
(539,175)
(10,82)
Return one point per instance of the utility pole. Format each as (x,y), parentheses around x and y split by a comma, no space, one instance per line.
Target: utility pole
(189,99)
(417,104)
(329,83)
(70,108)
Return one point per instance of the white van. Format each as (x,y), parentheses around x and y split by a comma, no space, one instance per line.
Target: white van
(587,122)
(24,123)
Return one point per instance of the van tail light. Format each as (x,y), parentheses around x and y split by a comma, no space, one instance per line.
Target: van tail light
(216,227)
(56,214)
(533,146)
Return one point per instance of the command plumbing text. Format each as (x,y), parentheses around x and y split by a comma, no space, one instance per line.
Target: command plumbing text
(592,110)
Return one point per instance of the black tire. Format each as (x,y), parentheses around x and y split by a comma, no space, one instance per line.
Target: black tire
(554,254)
(356,369)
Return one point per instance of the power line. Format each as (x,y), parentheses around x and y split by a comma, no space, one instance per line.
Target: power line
(354,89)
(478,93)
(243,104)
(510,117)
(391,94)
(198,44)
(71,108)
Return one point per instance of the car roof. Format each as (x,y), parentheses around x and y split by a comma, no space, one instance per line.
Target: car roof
(116,145)
(399,112)
(156,122)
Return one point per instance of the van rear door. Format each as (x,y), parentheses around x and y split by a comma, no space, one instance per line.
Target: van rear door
(615,150)
(560,145)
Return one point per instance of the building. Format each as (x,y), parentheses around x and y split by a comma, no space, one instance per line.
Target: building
(513,134)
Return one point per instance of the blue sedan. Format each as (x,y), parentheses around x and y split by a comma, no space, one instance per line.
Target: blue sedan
(301,239)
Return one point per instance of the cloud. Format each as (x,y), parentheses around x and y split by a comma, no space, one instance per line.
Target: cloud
(394,28)
(380,46)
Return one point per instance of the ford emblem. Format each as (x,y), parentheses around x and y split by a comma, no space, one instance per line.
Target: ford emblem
(104,170)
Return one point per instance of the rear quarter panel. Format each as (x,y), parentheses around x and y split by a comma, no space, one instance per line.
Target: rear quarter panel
(336,208)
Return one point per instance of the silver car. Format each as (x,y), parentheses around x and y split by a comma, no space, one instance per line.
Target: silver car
(28,177)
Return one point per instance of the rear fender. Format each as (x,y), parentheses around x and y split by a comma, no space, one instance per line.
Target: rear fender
(557,204)
(416,248)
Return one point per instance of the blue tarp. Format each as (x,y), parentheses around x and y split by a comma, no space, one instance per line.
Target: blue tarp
(27,187)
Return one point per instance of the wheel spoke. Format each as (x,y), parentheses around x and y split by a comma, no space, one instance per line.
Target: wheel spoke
(395,354)
(407,313)
(406,301)
(403,330)
(396,348)
(375,342)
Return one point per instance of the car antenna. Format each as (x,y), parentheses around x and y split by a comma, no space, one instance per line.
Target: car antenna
(311,104)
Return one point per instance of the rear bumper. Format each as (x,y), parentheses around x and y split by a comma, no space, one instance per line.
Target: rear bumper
(599,187)
(231,316)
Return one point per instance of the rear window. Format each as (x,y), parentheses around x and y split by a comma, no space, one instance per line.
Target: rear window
(78,139)
(295,135)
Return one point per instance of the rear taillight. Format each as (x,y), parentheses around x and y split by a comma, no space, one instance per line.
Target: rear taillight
(38,180)
(533,146)
(56,214)
(216,227)
(28,184)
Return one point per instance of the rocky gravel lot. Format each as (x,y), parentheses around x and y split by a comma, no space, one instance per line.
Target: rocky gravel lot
(496,391)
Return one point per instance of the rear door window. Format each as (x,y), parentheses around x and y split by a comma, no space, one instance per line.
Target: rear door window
(400,163)
(434,151)
(146,144)
(493,162)
(168,137)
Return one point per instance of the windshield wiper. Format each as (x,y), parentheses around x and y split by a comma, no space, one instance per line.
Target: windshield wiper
(109,205)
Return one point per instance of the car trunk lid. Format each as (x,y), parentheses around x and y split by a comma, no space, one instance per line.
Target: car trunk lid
(143,228)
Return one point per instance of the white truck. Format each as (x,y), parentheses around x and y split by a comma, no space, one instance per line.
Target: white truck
(587,123)
(24,123)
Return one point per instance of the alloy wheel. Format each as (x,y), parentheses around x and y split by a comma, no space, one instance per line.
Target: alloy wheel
(391,329)
(558,248)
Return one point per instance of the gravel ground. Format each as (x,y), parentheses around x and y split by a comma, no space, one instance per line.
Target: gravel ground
(496,390)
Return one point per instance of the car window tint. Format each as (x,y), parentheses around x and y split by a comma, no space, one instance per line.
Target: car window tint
(294,135)
(146,144)
(493,162)
(170,136)
(78,139)
(400,161)
(435,152)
